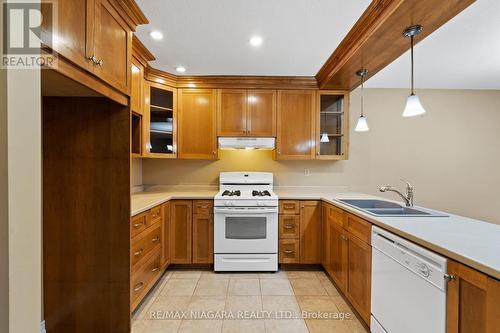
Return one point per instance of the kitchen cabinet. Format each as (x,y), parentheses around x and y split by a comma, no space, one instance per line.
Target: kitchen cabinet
(203,238)
(96,35)
(197,124)
(310,232)
(296,124)
(165,233)
(242,112)
(338,263)
(137,87)
(473,301)
(159,121)
(332,125)
(181,224)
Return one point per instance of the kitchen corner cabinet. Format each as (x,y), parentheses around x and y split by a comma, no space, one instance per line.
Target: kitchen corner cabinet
(94,35)
(181,224)
(332,125)
(159,121)
(296,125)
(473,301)
(197,137)
(242,112)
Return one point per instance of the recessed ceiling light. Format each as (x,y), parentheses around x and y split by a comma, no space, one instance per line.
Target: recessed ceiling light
(180,69)
(256,41)
(156,35)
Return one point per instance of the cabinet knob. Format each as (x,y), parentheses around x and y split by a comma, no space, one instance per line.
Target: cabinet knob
(138,286)
(450,277)
(138,253)
(343,237)
(156,239)
(138,225)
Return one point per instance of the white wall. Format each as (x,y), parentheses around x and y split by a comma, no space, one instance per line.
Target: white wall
(451,154)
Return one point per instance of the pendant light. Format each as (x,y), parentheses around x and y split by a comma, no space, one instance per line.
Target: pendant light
(362,125)
(324,136)
(413,106)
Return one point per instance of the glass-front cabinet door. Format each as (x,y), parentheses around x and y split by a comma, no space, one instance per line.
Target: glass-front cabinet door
(160,121)
(332,135)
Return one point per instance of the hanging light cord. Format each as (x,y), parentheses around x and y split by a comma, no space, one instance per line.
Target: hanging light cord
(412,79)
(362,95)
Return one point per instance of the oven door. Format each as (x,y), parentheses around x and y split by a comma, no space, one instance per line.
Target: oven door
(246,230)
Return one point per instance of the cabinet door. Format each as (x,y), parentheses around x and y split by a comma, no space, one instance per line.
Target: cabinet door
(137,87)
(473,301)
(296,124)
(165,232)
(359,276)
(310,232)
(338,264)
(181,221)
(113,46)
(261,112)
(332,122)
(232,112)
(197,137)
(325,238)
(74,29)
(203,239)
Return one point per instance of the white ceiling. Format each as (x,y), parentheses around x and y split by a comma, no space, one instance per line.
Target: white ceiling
(210,37)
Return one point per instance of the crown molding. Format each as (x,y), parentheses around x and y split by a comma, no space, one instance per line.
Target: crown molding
(140,52)
(131,12)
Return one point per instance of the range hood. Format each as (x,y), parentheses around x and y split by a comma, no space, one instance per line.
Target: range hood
(246,143)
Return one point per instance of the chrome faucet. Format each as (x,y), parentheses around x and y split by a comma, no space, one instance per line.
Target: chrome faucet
(408,198)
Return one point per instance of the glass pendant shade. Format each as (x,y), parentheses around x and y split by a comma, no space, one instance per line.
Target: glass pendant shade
(413,107)
(362,125)
(324,138)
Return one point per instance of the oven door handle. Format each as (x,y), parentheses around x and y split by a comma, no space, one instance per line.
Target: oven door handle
(245,211)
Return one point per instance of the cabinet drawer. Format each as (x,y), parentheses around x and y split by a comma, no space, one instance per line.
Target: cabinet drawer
(144,244)
(203,207)
(289,207)
(335,215)
(358,227)
(143,278)
(138,223)
(156,215)
(289,226)
(289,251)
(137,250)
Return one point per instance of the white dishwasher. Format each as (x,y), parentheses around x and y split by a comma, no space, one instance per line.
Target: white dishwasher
(408,286)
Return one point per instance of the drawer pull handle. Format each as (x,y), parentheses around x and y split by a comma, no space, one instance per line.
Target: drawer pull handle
(204,206)
(156,269)
(289,251)
(292,206)
(138,286)
(138,225)
(156,239)
(138,253)
(289,226)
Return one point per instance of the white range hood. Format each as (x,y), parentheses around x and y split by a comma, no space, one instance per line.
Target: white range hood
(246,143)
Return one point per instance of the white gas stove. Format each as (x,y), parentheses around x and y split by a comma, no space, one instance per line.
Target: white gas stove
(246,223)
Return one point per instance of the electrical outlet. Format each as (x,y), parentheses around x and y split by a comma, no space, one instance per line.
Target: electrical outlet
(307,172)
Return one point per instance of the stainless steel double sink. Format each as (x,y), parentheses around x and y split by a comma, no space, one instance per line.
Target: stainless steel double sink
(388,208)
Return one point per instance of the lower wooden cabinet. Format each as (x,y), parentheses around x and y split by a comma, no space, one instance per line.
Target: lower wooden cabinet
(165,232)
(338,256)
(289,251)
(310,232)
(181,226)
(203,238)
(473,304)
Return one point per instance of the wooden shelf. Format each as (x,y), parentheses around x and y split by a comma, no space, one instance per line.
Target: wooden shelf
(161,108)
(332,112)
(160,132)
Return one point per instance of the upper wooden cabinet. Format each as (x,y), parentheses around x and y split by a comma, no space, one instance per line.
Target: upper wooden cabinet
(96,35)
(332,125)
(473,301)
(242,112)
(137,87)
(197,124)
(296,124)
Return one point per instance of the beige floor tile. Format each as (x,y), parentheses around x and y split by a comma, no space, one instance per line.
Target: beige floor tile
(243,326)
(357,327)
(140,326)
(237,275)
(343,307)
(278,287)
(329,287)
(200,326)
(273,275)
(286,326)
(164,305)
(207,303)
(308,287)
(277,304)
(186,274)
(142,310)
(244,287)
(211,275)
(321,275)
(317,304)
(179,287)
(212,287)
(237,304)
(302,274)
(329,326)
(163,326)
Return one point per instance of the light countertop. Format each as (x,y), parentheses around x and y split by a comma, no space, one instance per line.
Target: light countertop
(472,242)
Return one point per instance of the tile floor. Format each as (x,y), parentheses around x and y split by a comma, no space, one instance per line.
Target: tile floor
(208,302)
